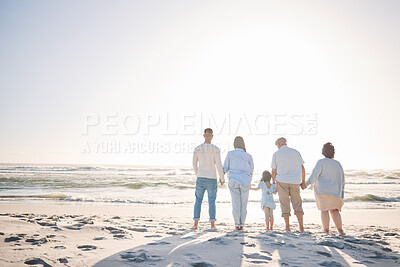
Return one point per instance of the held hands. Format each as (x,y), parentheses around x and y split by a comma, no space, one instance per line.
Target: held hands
(303,185)
(221,182)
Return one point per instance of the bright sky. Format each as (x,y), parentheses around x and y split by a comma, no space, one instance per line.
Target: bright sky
(67,64)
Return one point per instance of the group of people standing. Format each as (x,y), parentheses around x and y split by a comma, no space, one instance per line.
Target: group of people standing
(287,175)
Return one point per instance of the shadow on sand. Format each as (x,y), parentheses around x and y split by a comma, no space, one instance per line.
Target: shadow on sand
(189,248)
(258,248)
(320,249)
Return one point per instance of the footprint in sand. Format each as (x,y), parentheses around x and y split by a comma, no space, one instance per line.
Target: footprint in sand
(138,229)
(12,239)
(77,226)
(87,247)
(218,241)
(114,230)
(324,253)
(202,264)
(266,252)
(330,243)
(117,233)
(139,256)
(371,236)
(246,244)
(158,243)
(149,236)
(120,236)
(192,256)
(85,221)
(381,256)
(36,241)
(390,234)
(46,223)
(37,261)
(257,256)
(359,241)
(330,264)
(62,260)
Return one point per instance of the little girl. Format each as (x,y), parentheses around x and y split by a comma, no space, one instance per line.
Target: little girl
(267,199)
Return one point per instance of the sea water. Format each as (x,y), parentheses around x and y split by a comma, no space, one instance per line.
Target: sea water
(164,186)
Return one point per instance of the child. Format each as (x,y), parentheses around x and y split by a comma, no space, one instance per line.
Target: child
(267,199)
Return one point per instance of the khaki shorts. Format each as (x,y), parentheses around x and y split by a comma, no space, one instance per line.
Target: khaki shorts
(269,214)
(289,193)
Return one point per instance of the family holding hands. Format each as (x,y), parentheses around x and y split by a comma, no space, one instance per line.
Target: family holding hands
(288,175)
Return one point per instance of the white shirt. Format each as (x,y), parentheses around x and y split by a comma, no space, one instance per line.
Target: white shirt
(287,162)
(206,160)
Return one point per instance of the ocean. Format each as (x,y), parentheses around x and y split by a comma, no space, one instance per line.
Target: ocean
(164,186)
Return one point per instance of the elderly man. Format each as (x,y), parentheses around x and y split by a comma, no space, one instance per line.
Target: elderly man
(288,173)
(206,163)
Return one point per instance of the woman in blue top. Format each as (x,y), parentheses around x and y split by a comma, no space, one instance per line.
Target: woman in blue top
(239,166)
(328,180)
(267,198)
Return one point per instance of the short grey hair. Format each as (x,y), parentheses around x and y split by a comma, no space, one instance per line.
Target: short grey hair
(281,141)
(208,131)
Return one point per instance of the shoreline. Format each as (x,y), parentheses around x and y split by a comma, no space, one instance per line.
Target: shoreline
(89,234)
(389,217)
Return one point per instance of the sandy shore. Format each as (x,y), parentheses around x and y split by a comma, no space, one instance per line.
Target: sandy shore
(151,235)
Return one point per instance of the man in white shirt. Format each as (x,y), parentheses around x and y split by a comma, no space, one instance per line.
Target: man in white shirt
(288,173)
(206,163)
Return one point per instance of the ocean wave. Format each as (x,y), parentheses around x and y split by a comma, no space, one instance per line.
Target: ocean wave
(392,178)
(370,198)
(49,196)
(373,198)
(91,182)
(368,182)
(136,185)
(373,173)
(63,197)
(140,185)
(6,169)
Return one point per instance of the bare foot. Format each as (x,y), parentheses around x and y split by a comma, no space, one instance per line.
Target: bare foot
(326,231)
(287,229)
(341,232)
(213,225)
(241,228)
(195,224)
(301,229)
(237,228)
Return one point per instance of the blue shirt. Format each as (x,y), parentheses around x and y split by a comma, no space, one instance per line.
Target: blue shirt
(287,162)
(239,166)
(267,198)
(327,178)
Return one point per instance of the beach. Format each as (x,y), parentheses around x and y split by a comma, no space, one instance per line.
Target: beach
(142,216)
(155,235)
(117,116)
